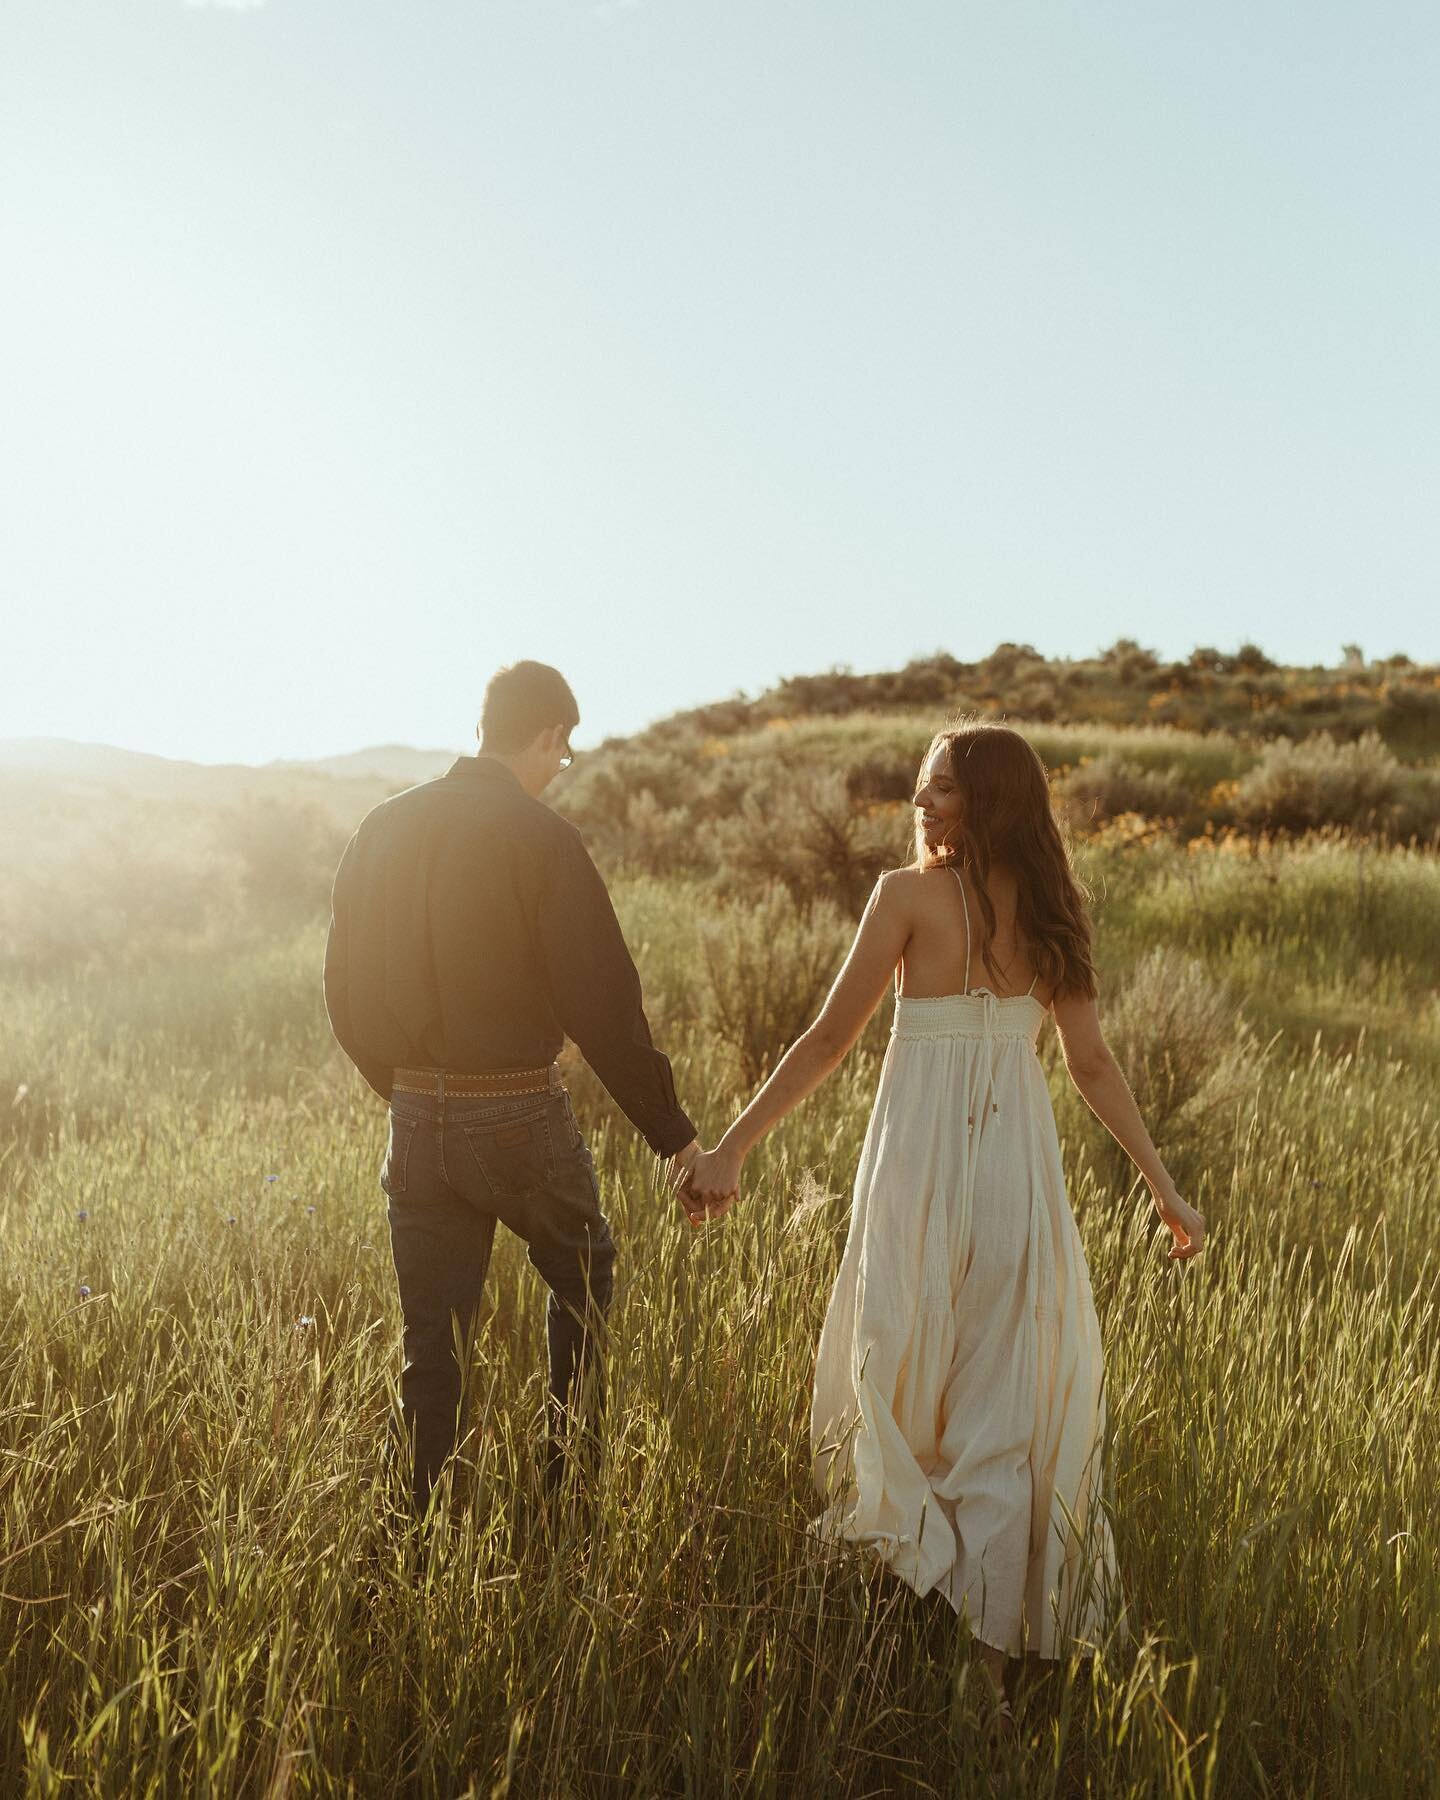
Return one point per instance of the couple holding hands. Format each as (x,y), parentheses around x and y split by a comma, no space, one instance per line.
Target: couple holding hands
(958,1412)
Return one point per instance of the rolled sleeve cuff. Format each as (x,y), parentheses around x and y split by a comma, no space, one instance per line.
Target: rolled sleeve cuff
(674,1134)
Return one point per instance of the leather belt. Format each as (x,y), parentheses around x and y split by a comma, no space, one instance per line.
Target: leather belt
(501,1082)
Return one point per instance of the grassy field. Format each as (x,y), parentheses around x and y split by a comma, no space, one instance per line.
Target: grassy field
(201,1591)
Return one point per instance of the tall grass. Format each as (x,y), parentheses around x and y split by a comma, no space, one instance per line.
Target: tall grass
(203,1587)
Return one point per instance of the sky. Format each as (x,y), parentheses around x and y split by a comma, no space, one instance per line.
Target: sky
(350,349)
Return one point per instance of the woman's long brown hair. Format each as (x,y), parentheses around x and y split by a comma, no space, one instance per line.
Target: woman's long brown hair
(1006,817)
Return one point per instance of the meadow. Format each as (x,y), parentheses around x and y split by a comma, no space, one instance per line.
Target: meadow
(203,1583)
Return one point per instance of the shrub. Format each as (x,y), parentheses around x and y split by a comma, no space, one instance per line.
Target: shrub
(1104,787)
(1409,715)
(1188,1054)
(806,835)
(768,966)
(927,681)
(1035,699)
(1130,660)
(1297,787)
(1005,660)
(657,916)
(658,837)
(881,775)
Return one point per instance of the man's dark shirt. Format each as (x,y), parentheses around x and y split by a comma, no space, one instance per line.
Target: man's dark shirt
(470,931)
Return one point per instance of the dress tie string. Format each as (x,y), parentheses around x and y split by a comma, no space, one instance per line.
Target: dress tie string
(990,1016)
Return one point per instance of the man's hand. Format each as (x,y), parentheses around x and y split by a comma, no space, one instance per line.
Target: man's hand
(678,1172)
(712,1185)
(678,1167)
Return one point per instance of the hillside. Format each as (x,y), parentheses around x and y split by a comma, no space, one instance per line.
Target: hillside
(806,787)
(1242,693)
(809,783)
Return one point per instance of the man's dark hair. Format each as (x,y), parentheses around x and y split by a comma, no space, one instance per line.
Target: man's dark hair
(522,701)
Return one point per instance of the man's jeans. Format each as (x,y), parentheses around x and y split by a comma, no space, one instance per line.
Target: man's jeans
(452,1168)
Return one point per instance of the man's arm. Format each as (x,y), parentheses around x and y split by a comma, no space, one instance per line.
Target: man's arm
(596,993)
(337,980)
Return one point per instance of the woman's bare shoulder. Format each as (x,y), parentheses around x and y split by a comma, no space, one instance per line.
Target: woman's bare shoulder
(910,882)
(921,893)
(916,877)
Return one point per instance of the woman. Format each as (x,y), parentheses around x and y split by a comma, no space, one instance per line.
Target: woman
(958,1408)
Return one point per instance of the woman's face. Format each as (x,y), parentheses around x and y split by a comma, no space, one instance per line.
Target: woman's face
(937,799)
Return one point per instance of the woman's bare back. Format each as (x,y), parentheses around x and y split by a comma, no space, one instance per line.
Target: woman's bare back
(935,957)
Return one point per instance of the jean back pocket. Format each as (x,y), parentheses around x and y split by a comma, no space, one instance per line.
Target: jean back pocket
(514,1154)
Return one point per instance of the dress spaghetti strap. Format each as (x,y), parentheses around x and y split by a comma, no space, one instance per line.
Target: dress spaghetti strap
(966,904)
(965,989)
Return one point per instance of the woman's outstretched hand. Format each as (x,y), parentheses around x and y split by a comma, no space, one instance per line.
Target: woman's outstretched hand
(1186,1225)
(711,1185)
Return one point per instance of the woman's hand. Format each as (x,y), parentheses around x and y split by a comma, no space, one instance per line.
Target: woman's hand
(1187,1225)
(712,1185)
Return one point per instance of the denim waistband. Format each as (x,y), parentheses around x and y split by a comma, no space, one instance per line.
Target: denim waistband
(461,1108)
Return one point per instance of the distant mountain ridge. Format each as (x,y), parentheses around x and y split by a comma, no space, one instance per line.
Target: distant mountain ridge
(381,762)
(63,774)
(70,756)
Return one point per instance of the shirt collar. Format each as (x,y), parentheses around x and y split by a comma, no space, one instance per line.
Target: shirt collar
(481,768)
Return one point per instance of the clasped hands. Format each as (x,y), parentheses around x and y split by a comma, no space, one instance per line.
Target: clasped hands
(706,1182)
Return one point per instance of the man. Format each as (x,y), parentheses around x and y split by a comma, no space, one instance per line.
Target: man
(470,932)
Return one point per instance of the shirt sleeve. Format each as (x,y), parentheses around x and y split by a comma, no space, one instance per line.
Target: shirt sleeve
(595,989)
(337,980)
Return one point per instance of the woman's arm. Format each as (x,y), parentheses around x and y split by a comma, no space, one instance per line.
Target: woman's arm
(1103,1088)
(867,972)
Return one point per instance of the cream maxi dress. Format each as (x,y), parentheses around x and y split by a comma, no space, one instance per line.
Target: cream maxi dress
(959,1408)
